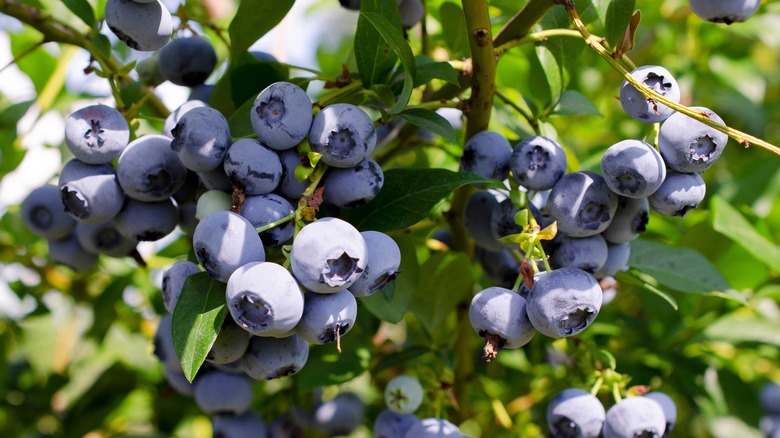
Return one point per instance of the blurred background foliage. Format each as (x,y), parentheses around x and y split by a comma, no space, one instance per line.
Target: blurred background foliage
(75,349)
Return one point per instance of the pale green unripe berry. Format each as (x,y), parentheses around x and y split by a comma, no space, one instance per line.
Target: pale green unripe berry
(211,201)
(403,394)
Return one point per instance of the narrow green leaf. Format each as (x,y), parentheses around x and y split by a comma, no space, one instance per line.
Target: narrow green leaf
(729,222)
(574,103)
(430,120)
(427,71)
(552,71)
(404,357)
(393,37)
(618,16)
(737,328)
(252,20)
(241,122)
(453,23)
(82,9)
(447,280)
(392,309)
(326,366)
(407,197)
(682,269)
(197,319)
(375,59)
(646,282)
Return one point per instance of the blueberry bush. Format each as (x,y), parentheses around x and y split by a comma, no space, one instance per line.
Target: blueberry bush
(458,218)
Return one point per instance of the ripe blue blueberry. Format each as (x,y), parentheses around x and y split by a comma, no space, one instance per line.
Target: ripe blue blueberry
(668,407)
(389,424)
(724,11)
(586,253)
(263,56)
(582,204)
(352,5)
(500,316)
(403,394)
(90,192)
(178,381)
(69,252)
(477,218)
(104,239)
(225,241)
(202,93)
(618,255)
(770,426)
(433,428)
(502,222)
(218,393)
(96,134)
(487,154)
(340,415)
(148,170)
(633,168)
(248,425)
(290,186)
(575,413)
(187,61)
(537,163)
(216,180)
(327,317)
(384,259)
(265,209)
(646,110)
(688,145)
(564,302)
(172,281)
(163,345)
(231,343)
(147,221)
(281,115)
(769,398)
(353,186)
(201,138)
(176,115)
(254,166)
(274,358)
(634,417)
(412,12)
(630,220)
(264,299)
(500,267)
(328,255)
(680,193)
(142,26)
(43,213)
(344,135)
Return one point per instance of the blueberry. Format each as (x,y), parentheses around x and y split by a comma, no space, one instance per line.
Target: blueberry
(770,426)
(389,424)
(633,168)
(104,239)
(96,134)
(231,343)
(233,367)
(352,5)
(187,61)
(575,413)
(274,358)
(586,253)
(201,93)
(147,221)
(634,417)
(353,186)
(173,280)
(582,204)
(327,317)
(630,220)
(43,213)
(411,11)
(487,154)
(537,163)
(201,138)
(384,259)
(617,260)
(225,241)
(248,425)
(148,70)
(281,115)
(769,397)
(340,415)
(90,192)
(680,193)
(263,56)
(176,115)
(265,209)
(724,11)
(640,108)
(477,218)
(188,192)
(187,219)
(433,428)
(218,393)
(344,135)
(328,255)
(69,252)
(254,166)
(178,381)
(500,267)
(142,26)
(501,313)
(403,394)
(668,407)
(216,180)
(264,299)
(688,145)
(564,302)
(502,222)
(163,345)
(148,170)
(290,186)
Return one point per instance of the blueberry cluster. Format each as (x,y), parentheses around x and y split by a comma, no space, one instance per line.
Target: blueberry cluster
(577,413)
(769,399)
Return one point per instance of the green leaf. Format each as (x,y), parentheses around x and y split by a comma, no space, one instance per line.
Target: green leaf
(407,197)
(430,120)
(82,9)
(240,122)
(447,280)
(618,16)
(682,269)
(729,222)
(736,328)
(453,23)
(401,358)
(392,309)
(427,71)
(326,366)
(197,319)
(37,64)
(552,70)
(574,103)
(375,59)
(252,20)
(393,37)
